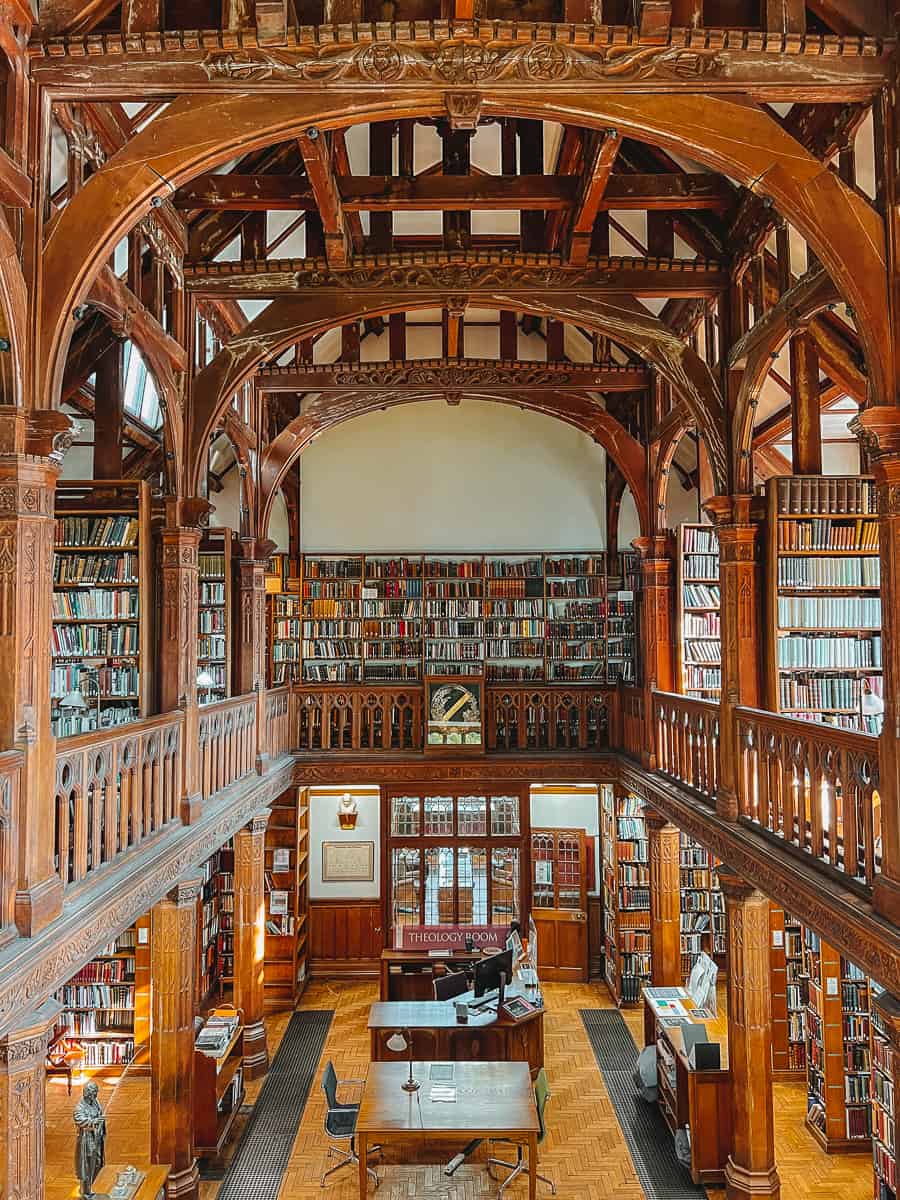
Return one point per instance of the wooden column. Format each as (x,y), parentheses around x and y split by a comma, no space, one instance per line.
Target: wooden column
(665,900)
(806,424)
(750,1172)
(879,432)
(177,635)
(173,957)
(657,607)
(31,451)
(23,1080)
(739,613)
(250,940)
(109,403)
(250,634)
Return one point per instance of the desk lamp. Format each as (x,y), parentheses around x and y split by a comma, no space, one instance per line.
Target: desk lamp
(397,1043)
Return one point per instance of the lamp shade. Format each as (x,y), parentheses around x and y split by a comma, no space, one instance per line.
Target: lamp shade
(397,1043)
(205,680)
(73,700)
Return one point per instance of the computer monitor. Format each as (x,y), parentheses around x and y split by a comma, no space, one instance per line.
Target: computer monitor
(489,970)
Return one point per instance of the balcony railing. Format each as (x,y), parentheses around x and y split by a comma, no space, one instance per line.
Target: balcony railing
(814,787)
(634,739)
(227,743)
(114,789)
(277,737)
(339,717)
(687,741)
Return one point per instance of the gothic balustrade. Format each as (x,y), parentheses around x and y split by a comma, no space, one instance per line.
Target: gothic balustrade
(814,787)
(114,789)
(10,783)
(227,742)
(687,741)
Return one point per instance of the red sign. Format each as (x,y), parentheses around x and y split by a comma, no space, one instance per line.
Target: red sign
(450,937)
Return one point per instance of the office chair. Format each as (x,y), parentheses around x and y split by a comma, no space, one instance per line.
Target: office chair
(448,986)
(541,1096)
(340,1124)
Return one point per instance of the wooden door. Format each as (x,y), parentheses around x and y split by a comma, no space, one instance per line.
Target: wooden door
(559,903)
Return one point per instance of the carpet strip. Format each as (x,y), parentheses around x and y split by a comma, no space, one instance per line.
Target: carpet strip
(649,1140)
(264,1150)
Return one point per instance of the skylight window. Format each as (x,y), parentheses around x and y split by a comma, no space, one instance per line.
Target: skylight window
(141,396)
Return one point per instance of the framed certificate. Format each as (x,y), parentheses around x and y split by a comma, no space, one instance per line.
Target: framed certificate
(348,862)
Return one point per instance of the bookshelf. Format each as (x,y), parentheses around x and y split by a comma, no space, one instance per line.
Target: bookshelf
(790,995)
(106,1006)
(626,895)
(214,920)
(218,1088)
(225,891)
(885,1083)
(100,671)
(838,1052)
(699,887)
(287,899)
(824,601)
(512,618)
(699,640)
(214,614)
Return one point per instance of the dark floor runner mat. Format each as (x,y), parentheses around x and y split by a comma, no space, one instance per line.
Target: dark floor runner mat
(650,1142)
(262,1155)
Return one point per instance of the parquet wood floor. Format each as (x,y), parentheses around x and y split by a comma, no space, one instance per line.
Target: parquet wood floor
(584,1151)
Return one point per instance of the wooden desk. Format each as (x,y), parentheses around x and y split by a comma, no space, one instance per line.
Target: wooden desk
(410,974)
(436,1034)
(152,1186)
(493,1099)
(700,1099)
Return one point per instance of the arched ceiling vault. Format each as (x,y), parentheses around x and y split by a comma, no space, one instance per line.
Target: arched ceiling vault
(325,411)
(293,318)
(729,134)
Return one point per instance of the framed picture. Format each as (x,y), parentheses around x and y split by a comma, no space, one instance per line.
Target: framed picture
(278,903)
(454,714)
(348,862)
(281,858)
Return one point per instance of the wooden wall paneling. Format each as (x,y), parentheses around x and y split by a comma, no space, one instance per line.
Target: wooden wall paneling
(346,938)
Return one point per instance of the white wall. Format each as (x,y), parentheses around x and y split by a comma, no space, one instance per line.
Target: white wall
(324,827)
(228,512)
(476,476)
(578,809)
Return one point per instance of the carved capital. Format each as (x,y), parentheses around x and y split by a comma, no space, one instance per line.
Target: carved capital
(737,889)
(878,430)
(258,550)
(185,892)
(258,823)
(463,109)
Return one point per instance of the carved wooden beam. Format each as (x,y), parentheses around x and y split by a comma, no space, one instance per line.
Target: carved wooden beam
(342,166)
(443,273)
(591,195)
(15,184)
(816,68)
(514,376)
(320,173)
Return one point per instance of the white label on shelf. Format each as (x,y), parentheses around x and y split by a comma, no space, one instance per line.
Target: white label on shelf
(831,985)
(777,937)
(143,935)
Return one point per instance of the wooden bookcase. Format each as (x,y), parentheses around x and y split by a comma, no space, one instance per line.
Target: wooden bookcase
(626,895)
(218,1094)
(287,877)
(837,1050)
(214,613)
(509,617)
(824,601)
(212,922)
(106,1006)
(885,1086)
(101,605)
(790,995)
(225,947)
(697,879)
(699,646)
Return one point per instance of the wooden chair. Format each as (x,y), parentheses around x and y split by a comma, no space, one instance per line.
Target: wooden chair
(541,1096)
(65,1056)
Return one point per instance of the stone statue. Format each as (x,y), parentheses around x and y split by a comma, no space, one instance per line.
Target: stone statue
(90,1145)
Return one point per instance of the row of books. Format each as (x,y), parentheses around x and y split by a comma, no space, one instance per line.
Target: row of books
(97,531)
(829,612)
(72,605)
(211,620)
(211,593)
(701,625)
(700,539)
(119,681)
(105,970)
(826,494)
(109,997)
(95,1021)
(826,533)
(701,652)
(104,641)
(84,571)
(701,568)
(211,565)
(815,573)
(822,652)
(393,609)
(824,692)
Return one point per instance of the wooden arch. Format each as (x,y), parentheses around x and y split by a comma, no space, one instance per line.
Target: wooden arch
(754,354)
(13,320)
(292,318)
(326,412)
(730,134)
(662,451)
